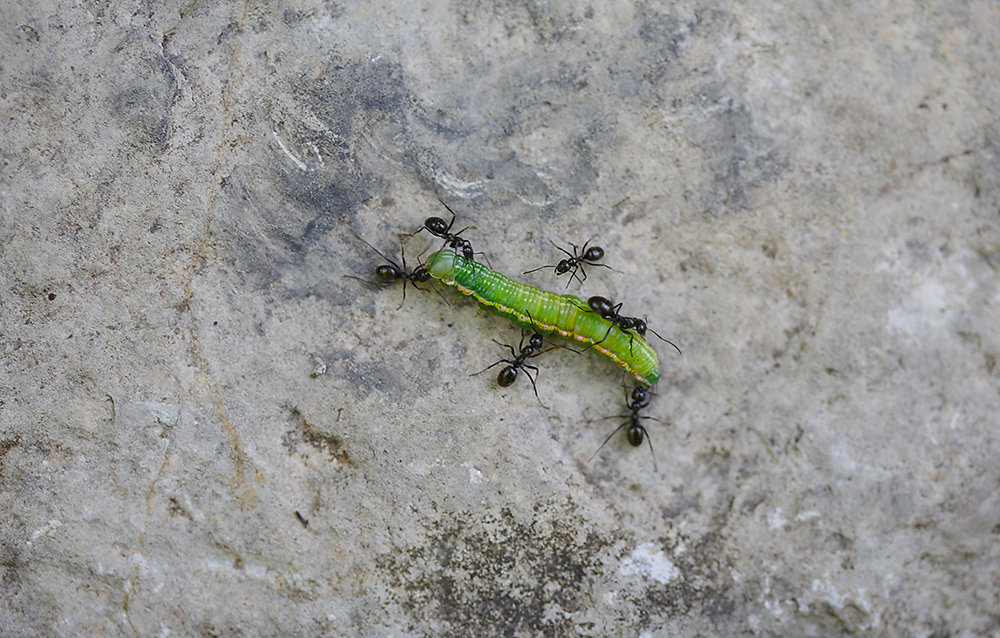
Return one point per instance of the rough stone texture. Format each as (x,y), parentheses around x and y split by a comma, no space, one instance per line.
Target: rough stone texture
(806,199)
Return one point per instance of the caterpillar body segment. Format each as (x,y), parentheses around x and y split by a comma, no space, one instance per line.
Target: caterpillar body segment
(546,312)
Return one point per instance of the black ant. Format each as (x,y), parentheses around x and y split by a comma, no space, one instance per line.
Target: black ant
(607,311)
(575,261)
(636,431)
(508,374)
(439,228)
(391,272)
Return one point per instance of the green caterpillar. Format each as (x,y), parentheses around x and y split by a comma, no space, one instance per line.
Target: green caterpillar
(546,312)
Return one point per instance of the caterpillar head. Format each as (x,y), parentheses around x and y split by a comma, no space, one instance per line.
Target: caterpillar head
(443,264)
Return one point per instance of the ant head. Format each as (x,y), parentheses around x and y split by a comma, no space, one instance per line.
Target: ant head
(639,325)
(594,253)
(507,376)
(467,251)
(635,434)
(640,393)
(420,275)
(562,267)
(436,225)
(600,305)
(535,341)
(387,274)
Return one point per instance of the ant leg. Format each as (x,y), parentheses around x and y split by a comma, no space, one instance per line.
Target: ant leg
(513,353)
(490,366)
(604,266)
(649,442)
(400,237)
(597,343)
(402,255)
(531,322)
(443,298)
(571,256)
(537,269)
(592,263)
(381,254)
(559,345)
(533,386)
(617,430)
(370,283)
(505,345)
(573,275)
(404,295)
(570,280)
(487,258)
(447,208)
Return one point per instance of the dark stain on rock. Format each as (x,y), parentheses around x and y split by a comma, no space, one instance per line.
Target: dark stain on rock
(680,504)
(702,589)
(304,431)
(6,445)
(384,375)
(282,227)
(330,201)
(30,33)
(662,34)
(982,178)
(492,574)
(743,160)
(725,130)
(497,577)
(665,32)
(316,177)
(353,92)
(147,89)
(12,559)
(174,508)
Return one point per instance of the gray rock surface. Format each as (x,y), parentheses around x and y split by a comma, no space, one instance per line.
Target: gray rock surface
(805,199)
